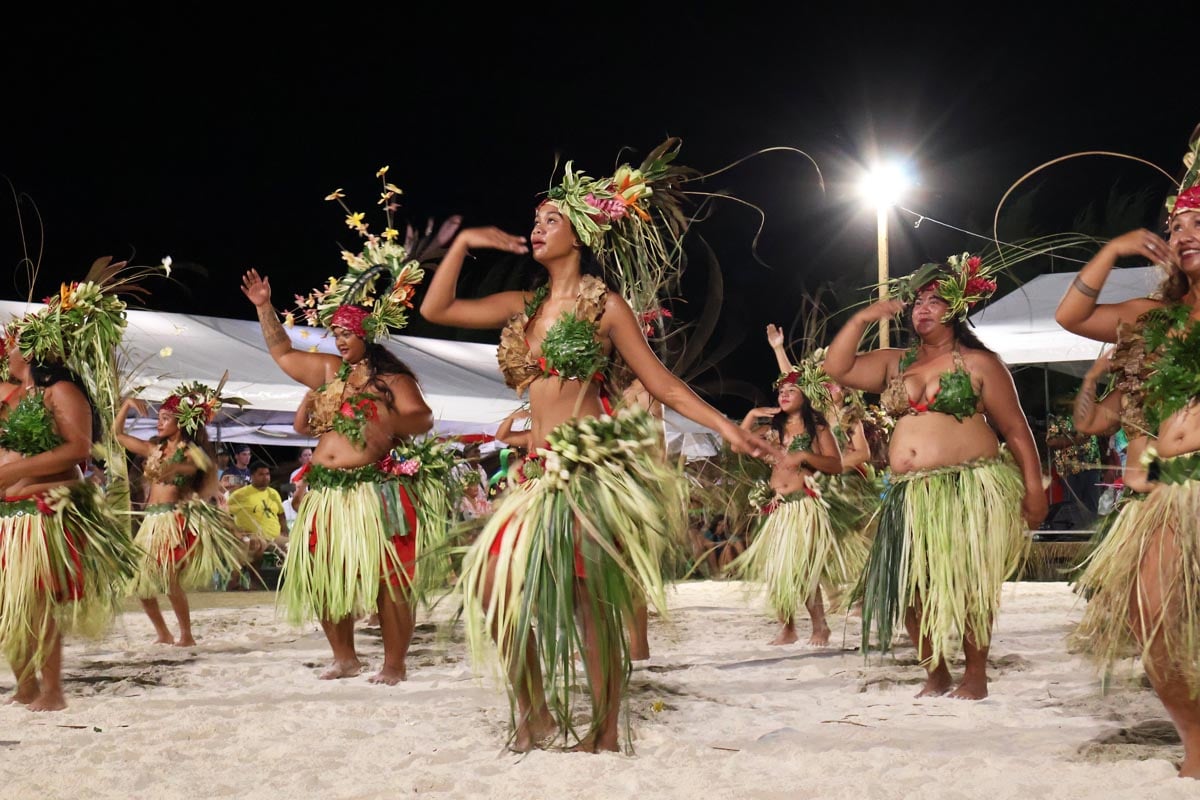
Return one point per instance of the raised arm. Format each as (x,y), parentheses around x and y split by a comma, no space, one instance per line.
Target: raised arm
(1003,408)
(825,457)
(865,371)
(310,369)
(1078,310)
(1092,416)
(506,434)
(442,306)
(139,447)
(775,339)
(627,337)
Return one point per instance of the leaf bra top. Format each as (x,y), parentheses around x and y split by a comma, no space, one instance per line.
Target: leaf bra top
(570,349)
(955,395)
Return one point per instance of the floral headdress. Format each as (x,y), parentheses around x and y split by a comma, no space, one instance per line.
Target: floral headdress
(812,379)
(1187,198)
(354,301)
(962,281)
(633,221)
(196,404)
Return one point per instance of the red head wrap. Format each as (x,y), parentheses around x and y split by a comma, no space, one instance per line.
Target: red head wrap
(1188,200)
(351,318)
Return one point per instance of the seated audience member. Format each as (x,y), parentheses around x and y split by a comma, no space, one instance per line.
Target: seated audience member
(257,512)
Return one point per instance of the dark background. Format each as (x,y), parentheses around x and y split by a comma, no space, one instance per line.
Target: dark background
(214,138)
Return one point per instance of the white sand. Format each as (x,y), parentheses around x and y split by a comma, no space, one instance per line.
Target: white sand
(718,713)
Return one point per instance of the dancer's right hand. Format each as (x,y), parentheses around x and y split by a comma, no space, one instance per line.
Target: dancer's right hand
(137,404)
(1102,365)
(881,310)
(256,288)
(491,238)
(1141,242)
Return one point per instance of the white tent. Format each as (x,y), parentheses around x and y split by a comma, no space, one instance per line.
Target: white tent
(460,380)
(1020,326)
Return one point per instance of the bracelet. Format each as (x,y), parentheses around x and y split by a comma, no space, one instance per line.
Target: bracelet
(1084,289)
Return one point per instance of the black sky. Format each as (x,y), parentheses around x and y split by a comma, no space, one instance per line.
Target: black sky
(214,137)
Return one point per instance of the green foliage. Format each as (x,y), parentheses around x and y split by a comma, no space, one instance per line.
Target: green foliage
(29,428)
(956,395)
(1175,380)
(571,348)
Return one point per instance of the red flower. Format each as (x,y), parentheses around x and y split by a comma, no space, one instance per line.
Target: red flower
(980,286)
(43,507)
(347,410)
(973,265)
(367,406)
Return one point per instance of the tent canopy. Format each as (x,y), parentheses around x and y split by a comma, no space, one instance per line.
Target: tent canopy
(1020,326)
(460,380)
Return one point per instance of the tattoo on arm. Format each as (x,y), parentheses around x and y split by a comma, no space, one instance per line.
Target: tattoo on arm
(1085,402)
(272,328)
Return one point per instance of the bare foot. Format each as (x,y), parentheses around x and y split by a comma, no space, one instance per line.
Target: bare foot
(787,635)
(638,653)
(1189,769)
(342,669)
(165,638)
(186,641)
(590,744)
(971,688)
(820,637)
(534,733)
(936,685)
(49,701)
(24,695)
(389,675)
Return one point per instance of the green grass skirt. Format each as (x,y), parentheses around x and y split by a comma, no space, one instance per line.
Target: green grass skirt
(66,557)
(947,540)
(803,543)
(193,539)
(340,549)
(594,529)
(1169,516)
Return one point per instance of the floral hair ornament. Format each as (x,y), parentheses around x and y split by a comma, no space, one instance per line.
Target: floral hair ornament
(195,404)
(961,281)
(811,378)
(356,301)
(1187,197)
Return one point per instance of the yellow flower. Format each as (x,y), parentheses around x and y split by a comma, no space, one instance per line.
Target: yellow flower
(289,319)
(336,194)
(313,349)
(393,188)
(166,352)
(390,234)
(355,221)
(382,171)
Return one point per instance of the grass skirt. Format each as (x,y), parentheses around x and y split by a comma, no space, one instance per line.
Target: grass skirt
(341,549)
(804,542)
(590,523)
(193,539)
(1169,518)
(66,556)
(947,540)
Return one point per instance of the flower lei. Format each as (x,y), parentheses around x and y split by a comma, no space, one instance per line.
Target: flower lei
(429,457)
(381,253)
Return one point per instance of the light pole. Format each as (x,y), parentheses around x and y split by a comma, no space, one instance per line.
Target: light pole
(882,186)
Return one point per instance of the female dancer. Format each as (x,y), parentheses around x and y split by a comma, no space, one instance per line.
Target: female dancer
(952,525)
(65,554)
(795,548)
(354,544)
(1144,575)
(185,538)
(582,536)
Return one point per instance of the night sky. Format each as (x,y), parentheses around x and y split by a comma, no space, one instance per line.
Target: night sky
(214,138)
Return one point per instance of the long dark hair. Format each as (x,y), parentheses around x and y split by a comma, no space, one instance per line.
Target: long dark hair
(381,362)
(812,419)
(962,330)
(46,375)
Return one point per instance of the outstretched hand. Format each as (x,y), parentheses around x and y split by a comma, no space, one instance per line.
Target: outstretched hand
(256,288)
(774,336)
(1103,364)
(492,238)
(745,442)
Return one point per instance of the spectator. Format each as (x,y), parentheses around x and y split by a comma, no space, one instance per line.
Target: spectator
(258,514)
(241,464)
(1078,462)
(305,458)
(475,503)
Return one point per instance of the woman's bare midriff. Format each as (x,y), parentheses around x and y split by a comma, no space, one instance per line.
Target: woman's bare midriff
(930,440)
(335,451)
(1180,433)
(785,480)
(553,401)
(164,493)
(44,483)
